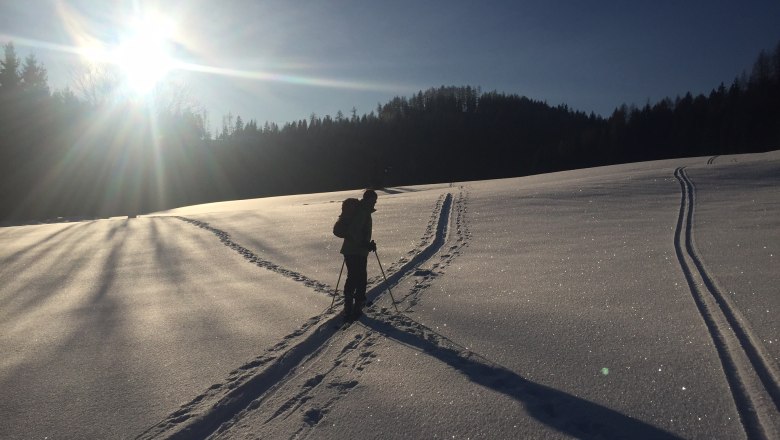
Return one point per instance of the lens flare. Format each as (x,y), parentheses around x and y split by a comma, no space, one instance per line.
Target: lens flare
(143,60)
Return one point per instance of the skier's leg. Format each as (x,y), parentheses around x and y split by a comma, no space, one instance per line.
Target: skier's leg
(351,283)
(361,279)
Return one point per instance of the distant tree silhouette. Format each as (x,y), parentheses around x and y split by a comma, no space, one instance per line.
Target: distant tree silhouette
(34,77)
(9,69)
(90,152)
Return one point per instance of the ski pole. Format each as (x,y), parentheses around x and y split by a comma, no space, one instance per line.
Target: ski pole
(386,283)
(336,292)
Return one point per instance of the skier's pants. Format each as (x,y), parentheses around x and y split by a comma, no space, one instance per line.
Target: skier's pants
(357,278)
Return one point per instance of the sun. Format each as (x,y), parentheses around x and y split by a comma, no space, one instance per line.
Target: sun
(143,62)
(143,55)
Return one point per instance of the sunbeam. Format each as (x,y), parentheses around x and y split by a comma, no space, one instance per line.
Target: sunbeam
(260,75)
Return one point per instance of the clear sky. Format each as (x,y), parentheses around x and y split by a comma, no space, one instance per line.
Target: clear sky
(283,60)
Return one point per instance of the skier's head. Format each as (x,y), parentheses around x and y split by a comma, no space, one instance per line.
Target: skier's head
(369,196)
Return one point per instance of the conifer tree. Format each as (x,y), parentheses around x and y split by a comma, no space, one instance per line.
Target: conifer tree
(10,79)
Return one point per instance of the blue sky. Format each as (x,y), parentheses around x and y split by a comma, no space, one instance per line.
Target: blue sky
(283,60)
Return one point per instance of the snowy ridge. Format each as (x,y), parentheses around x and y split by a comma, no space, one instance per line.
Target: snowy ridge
(247,386)
(745,363)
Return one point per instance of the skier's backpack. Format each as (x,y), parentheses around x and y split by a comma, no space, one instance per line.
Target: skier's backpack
(348,209)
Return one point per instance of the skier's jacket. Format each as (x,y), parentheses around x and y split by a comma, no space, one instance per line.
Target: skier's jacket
(358,237)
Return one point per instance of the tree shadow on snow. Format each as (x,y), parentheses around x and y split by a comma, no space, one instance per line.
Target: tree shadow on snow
(563,412)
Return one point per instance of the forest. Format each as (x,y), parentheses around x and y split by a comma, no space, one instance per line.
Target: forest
(85,152)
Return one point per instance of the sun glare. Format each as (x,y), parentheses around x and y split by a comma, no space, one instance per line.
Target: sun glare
(143,55)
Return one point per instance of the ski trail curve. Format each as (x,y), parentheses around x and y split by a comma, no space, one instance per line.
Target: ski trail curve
(253,258)
(712,159)
(246,386)
(749,373)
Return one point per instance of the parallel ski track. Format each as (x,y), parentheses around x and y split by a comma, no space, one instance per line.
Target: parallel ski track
(304,400)
(297,405)
(204,415)
(737,347)
(459,238)
(712,160)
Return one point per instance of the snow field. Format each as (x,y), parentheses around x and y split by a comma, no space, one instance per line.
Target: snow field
(738,235)
(564,305)
(632,351)
(108,326)
(580,290)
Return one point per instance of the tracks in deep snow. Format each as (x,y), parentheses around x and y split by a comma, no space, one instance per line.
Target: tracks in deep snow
(311,392)
(289,390)
(245,388)
(754,383)
(224,237)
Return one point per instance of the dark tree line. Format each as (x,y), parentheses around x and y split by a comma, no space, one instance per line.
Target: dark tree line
(741,118)
(91,154)
(461,133)
(94,155)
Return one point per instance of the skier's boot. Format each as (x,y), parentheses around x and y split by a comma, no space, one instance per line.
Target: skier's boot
(349,308)
(357,310)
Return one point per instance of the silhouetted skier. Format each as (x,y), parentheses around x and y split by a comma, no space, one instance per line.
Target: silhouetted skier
(356,247)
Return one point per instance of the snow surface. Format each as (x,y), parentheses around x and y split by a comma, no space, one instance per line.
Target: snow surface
(564,305)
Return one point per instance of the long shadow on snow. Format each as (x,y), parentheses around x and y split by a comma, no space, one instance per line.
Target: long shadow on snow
(47,256)
(36,245)
(562,411)
(95,323)
(398,190)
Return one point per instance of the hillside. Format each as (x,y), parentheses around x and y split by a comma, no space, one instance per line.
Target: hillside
(596,303)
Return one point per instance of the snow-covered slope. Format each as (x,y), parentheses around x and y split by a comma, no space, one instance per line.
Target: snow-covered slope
(595,303)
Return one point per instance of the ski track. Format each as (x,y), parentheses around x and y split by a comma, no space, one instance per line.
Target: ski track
(328,378)
(749,370)
(246,387)
(308,396)
(325,378)
(309,371)
(291,388)
(253,258)
(428,236)
(425,276)
(711,161)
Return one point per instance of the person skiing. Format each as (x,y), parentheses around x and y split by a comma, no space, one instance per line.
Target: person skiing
(356,247)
